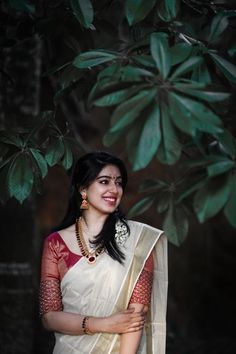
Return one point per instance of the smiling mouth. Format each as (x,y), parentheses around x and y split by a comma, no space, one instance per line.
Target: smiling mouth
(110,199)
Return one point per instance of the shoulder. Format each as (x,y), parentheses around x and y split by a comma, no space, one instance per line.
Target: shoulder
(141,226)
(54,236)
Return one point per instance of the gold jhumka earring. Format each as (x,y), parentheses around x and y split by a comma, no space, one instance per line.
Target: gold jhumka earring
(84,205)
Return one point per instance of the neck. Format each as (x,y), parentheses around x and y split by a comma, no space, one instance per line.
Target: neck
(94,222)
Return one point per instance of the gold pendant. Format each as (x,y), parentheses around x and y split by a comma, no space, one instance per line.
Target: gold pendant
(92,259)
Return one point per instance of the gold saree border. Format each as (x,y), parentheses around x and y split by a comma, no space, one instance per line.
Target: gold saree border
(147,239)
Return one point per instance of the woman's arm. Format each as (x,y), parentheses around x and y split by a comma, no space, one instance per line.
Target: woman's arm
(129,342)
(69,323)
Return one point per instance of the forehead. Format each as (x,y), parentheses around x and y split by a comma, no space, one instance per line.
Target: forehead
(111,171)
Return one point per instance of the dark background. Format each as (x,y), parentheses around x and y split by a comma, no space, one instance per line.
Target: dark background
(201,298)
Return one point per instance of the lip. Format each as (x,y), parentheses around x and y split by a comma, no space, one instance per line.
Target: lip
(110,200)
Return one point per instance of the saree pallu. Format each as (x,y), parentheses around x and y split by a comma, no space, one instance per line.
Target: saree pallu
(106,287)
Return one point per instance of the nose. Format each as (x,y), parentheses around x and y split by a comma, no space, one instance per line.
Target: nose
(113,187)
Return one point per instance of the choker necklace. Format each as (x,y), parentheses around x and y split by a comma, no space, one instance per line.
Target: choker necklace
(91,256)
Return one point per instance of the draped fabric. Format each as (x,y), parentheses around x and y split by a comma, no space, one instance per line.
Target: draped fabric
(107,287)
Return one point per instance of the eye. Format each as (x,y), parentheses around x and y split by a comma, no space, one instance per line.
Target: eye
(104,181)
(119,183)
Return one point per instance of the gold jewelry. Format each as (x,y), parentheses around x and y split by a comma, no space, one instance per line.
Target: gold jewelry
(85,325)
(84,205)
(91,256)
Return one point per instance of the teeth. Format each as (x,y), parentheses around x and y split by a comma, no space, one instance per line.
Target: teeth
(110,199)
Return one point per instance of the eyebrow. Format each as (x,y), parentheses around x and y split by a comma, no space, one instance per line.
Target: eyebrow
(109,177)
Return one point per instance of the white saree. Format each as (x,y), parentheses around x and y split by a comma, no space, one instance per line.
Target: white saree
(106,287)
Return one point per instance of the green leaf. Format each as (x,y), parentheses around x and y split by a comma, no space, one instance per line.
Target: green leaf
(201,117)
(22,5)
(117,96)
(201,74)
(11,139)
(170,148)
(67,159)
(161,53)
(152,185)
(180,52)
(176,224)
(228,142)
(110,138)
(92,58)
(186,66)
(83,11)
(55,151)
(230,207)
(137,10)
(141,206)
(20,177)
(179,117)
(164,200)
(218,26)
(228,69)
(210,199)
(41,162)
(209,96)
(144,59)
(168,10)
(220,167)
(128,111)
(149,140)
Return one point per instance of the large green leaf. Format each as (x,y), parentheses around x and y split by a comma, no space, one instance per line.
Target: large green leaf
(218,26)
(92,58)
(210,199)
(144,59)
(117,96)
(137,10)
(170,148)
(149,140)
(180,52)
(202,74)
(176,224)
(168,10)
(128,111)
(161,53)
(83,11)
(141,206)
(110,138)
(230,207)
(227,142)
(20,177)
(179,117)
(41,162)
(227,68)
(67,159)
(220,167)
(152,185)
(202,118)
(209,96)
(55,151)
(185,67)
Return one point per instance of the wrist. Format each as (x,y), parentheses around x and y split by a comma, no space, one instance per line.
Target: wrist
(86,325)
(98,324)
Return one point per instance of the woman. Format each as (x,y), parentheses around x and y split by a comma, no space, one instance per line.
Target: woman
(103,276)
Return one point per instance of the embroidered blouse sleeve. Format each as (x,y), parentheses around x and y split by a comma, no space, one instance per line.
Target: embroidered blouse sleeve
(50,292)
(143,288)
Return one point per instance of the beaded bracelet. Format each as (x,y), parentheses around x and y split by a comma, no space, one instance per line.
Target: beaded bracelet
(84,325)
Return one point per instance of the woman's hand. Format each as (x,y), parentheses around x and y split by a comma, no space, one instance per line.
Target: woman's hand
(121,322)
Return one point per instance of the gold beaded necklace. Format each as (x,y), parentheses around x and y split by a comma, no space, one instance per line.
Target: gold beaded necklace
(91,256)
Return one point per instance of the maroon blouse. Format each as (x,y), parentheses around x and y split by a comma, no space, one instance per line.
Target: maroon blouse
(57,259)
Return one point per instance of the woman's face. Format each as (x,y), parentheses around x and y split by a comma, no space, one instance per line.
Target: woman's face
(104,194)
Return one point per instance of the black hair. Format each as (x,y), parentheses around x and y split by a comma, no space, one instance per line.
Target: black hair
(85,172)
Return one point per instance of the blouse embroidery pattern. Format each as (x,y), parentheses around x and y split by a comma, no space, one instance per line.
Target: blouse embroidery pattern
(57,259)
